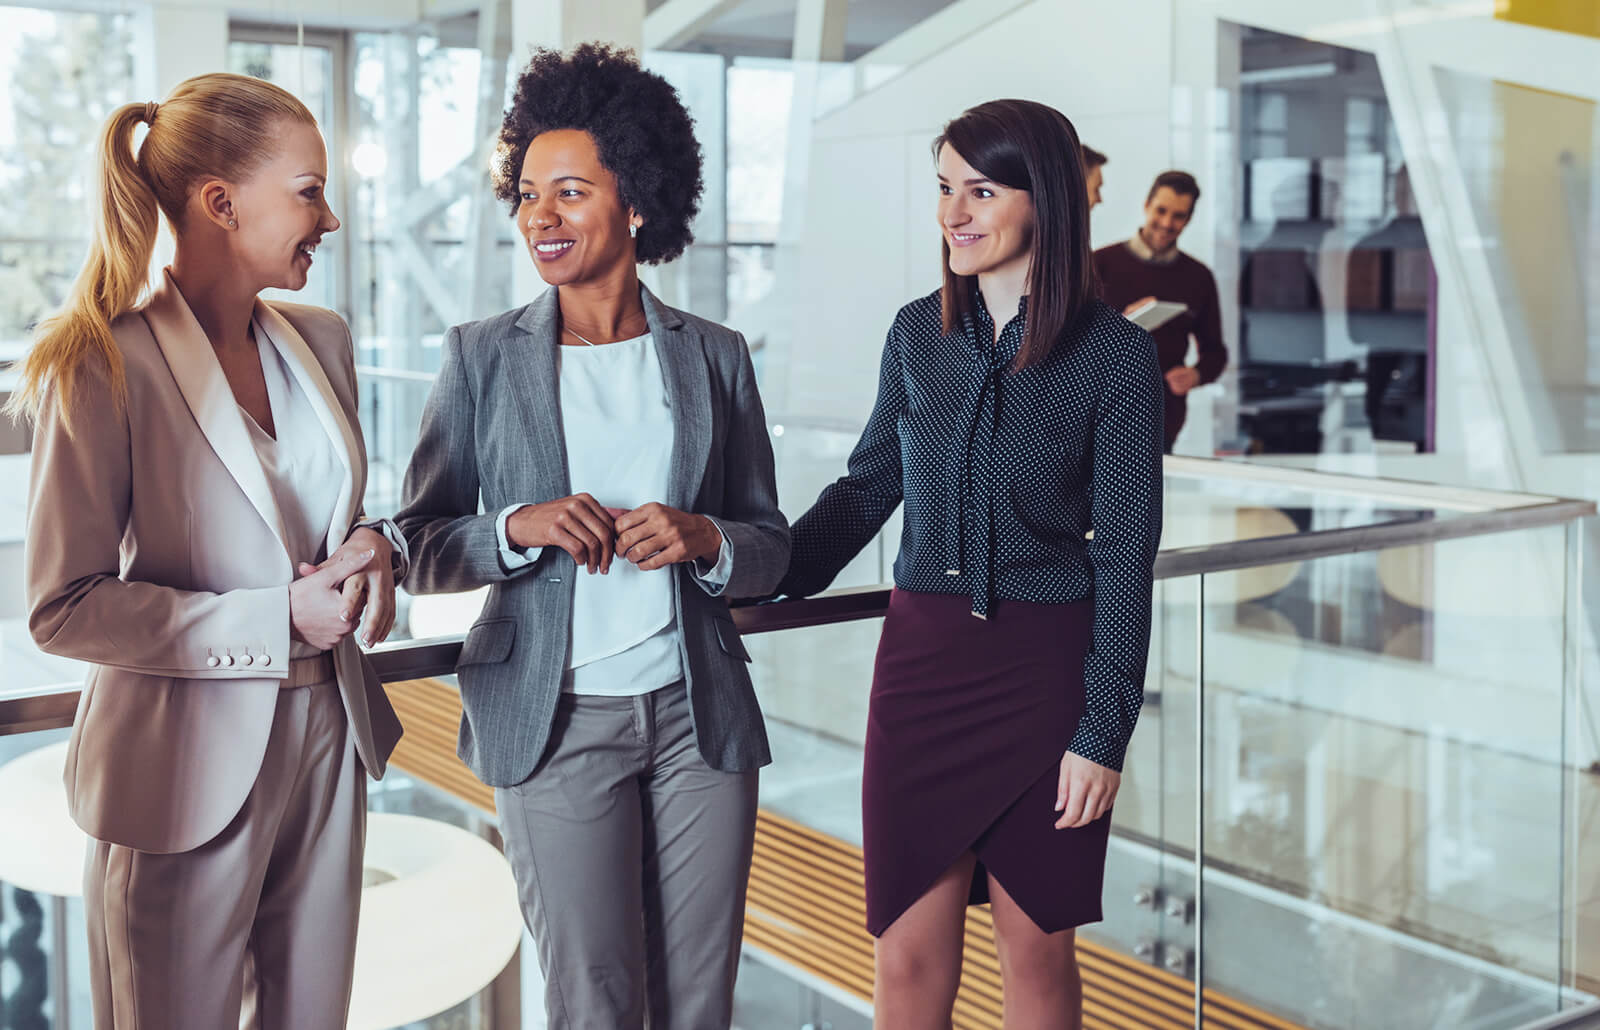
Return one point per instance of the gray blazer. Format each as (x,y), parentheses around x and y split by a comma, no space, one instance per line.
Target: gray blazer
(492,429)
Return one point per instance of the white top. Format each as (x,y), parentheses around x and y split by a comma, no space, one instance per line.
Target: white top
(619,432)
(302,466)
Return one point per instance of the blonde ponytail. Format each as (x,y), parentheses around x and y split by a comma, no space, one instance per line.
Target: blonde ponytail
(109,284)
(212,125)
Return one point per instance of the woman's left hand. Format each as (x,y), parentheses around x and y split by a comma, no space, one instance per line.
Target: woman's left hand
(653,536)
(1086,791)
(371,587)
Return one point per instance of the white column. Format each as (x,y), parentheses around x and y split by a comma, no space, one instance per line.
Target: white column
(172,44)
(175,43)
(563,24)
(566,23)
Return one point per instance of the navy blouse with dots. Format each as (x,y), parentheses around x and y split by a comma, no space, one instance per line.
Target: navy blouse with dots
(1003,474)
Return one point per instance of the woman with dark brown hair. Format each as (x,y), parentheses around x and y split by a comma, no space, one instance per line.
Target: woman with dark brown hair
(1019,420)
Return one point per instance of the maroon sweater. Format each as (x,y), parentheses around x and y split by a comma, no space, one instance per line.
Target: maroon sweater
(1125,277)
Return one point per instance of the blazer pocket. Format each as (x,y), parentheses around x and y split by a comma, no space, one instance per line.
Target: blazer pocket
(488,642)
(728,636)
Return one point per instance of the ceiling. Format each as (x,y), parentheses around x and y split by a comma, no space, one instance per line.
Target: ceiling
(765,28)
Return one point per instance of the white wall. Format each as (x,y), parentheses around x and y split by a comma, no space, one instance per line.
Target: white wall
(871,243)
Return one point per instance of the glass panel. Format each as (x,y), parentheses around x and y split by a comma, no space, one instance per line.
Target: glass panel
(1526,157)
(63,73)
(1149,894)
(1384,784)
(1335,282)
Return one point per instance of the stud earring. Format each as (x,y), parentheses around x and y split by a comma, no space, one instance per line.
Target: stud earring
(232,224)
(633,232)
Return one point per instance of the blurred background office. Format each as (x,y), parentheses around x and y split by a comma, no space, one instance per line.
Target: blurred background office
(1402,214)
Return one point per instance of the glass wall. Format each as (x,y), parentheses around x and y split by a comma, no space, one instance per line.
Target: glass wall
(1335,283)
(1386,820)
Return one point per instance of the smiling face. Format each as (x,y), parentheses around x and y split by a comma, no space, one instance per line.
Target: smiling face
(988,227)
(1165,216)
(572,215)
(282,209)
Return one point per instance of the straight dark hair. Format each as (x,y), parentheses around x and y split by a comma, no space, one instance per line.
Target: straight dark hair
(1029,146)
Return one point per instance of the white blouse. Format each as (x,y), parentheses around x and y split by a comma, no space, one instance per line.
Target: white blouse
(303,468)
(618,431)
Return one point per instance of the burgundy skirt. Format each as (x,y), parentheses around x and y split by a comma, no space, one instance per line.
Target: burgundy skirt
(968,721)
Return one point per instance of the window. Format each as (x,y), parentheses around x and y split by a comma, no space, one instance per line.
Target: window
(63,73)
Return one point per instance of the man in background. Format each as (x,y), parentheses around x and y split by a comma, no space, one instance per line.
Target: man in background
(1150,267)
(1093,163)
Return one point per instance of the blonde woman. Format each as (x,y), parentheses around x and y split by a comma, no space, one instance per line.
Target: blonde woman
(194,534)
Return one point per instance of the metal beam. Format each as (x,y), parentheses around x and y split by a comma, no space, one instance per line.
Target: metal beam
(676,22)
(819,28)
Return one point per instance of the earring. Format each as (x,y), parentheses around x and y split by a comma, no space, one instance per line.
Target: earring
(232,224)
(633,232)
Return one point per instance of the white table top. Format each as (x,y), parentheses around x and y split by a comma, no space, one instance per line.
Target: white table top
(431,937)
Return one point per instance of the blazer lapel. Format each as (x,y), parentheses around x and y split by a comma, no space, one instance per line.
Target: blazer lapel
(313,380)
(529,362)
(206,391)
(683,365)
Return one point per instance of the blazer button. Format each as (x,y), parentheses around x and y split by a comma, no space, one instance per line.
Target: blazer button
(227,659)
(265,659)
(247,660)
(213,661)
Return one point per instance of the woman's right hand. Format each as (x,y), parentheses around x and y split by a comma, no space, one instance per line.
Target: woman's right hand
(579,525)
(318,614)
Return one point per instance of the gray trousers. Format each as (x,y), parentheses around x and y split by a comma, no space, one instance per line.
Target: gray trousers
(262,918)
(631,857)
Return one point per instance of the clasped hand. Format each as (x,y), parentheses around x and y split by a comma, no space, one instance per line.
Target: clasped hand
(326,602)
(651,536)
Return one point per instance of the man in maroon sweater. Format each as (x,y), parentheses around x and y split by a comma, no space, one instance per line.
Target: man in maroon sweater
(1150,267)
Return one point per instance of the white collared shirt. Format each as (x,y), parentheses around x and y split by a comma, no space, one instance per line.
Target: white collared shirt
(618,430)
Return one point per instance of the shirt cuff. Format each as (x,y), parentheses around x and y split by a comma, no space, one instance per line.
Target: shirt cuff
(400,560)
(513,557)
(717,575)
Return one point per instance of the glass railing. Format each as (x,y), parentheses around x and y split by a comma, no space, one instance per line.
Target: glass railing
(1356,795)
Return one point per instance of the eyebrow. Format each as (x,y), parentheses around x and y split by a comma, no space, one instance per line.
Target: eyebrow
(312,175)
(969,182)
(559,178)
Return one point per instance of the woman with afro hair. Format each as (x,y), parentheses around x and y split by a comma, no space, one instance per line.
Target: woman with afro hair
(627,493)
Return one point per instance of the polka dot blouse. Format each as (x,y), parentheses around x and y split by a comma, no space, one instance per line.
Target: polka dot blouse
(1003,474)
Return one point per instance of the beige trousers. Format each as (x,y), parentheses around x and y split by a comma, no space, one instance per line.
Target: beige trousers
(256,927)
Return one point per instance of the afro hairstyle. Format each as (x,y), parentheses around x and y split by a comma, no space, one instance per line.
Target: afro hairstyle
(639,124)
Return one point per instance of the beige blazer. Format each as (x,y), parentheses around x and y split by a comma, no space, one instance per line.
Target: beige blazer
(153,544)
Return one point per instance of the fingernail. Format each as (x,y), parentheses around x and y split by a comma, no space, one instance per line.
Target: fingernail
(344,616)
(368,553)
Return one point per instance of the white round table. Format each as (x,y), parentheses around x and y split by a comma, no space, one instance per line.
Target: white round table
(439,917)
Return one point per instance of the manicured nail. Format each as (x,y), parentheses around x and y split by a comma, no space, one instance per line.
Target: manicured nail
(368,553)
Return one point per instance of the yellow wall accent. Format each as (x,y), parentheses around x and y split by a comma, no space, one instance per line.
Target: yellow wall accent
(1581,17)
(1540,169)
